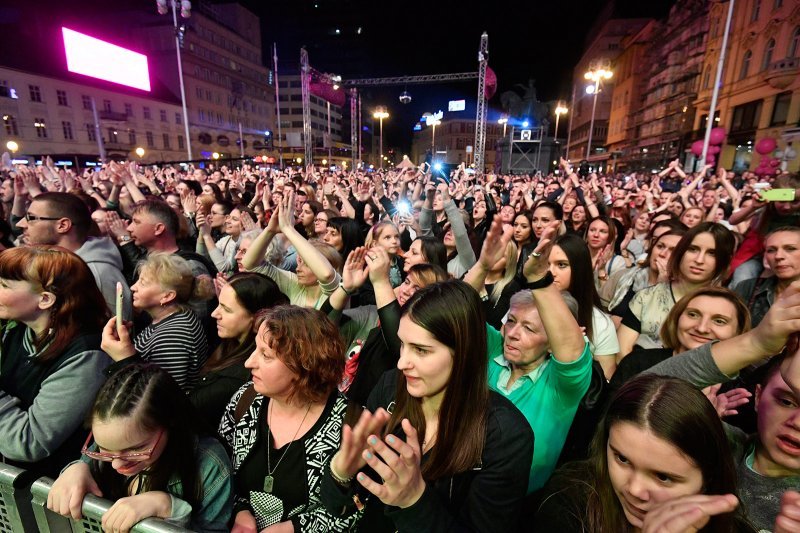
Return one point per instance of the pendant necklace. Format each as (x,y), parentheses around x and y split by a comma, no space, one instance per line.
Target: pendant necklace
(269,481)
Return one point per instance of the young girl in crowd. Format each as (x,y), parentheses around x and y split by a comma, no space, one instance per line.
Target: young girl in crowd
(570,264)
(283,428)
(145,454)
(700,259)
(601,238)
(51,367)
(175,339)
(458,441)
(660,444)
(370,331)
(544,215)
(385,235)
(426,249)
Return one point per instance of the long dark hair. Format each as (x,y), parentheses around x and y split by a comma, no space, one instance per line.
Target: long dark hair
(254,292)
(724,244)
(149,393)
(672,410)
(433,250)
(452,312)
(350,231)
(581,284)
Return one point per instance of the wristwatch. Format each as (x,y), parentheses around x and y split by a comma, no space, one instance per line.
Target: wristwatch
(125,239)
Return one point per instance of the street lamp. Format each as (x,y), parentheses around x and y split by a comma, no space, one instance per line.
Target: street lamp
(598,71)
(381,113)
(185,7)
(433,121)
(140,152)
(504,121)
(215,155)
(12,147)
(561,109)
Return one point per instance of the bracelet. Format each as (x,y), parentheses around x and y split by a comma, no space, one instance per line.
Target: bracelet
(341,286)
(546,281)
(345,482)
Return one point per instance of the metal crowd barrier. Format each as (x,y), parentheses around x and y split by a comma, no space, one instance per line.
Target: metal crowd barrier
(23,509)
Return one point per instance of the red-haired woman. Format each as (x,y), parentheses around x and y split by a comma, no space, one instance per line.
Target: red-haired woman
(284,427)
(51,316)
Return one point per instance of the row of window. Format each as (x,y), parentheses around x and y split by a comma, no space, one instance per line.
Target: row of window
(40,126)
(314,113)
(35,93)
(232,84)
(766,57)
(239,103)
(211,117)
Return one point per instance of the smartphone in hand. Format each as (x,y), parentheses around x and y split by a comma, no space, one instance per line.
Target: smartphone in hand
(119,304)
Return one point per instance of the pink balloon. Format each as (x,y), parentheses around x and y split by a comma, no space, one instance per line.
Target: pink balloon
(697,148)
(760,171)
(717,135)
(766,145)
(774,162)
(713,150)
(711,160)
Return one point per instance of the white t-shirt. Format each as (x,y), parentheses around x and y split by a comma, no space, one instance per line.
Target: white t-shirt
(604,340)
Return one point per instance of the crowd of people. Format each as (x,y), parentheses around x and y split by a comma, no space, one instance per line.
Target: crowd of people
(306,349)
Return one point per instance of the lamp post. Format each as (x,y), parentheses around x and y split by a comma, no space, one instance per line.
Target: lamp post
(504,121)
(139,152)
(381,113)
(597,72)
(12,147)
(433,122)
(185,6)
(561,109)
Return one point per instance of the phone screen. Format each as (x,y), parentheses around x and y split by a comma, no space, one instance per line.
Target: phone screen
(119,304)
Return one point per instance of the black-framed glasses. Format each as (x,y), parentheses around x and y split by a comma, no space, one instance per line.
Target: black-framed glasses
(31,218)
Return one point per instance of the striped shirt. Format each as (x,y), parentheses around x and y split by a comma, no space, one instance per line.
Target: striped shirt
(177,344)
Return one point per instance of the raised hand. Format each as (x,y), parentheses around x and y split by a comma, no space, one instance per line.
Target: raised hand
(727,402)
(537,264)
(355,271)
(398,465)
(286,213)
(379,264)
(495,243)
(687,514)
(349,460)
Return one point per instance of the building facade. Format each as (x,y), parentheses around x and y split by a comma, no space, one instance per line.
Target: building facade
(760,90)
(604,45)
(290,94)
(630,82)
(52,116)
(228,88)
(666,117)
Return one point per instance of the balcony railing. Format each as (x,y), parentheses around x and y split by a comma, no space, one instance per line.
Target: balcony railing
(781,74)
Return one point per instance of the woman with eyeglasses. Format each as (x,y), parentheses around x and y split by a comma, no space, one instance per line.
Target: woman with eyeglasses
(51,316)
(145,454)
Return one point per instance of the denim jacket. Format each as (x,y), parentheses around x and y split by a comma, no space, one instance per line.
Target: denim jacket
(214,468)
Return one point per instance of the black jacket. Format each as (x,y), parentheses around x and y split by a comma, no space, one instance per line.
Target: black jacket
(485,498)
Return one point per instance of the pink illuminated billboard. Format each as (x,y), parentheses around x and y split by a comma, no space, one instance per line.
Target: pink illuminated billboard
(92,57)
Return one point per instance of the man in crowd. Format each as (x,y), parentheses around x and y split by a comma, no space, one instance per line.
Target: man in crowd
(63,219)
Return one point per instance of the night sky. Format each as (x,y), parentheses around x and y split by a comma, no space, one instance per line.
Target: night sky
(527,39)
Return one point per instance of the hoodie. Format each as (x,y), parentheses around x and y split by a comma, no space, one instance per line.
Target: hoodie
(105,262)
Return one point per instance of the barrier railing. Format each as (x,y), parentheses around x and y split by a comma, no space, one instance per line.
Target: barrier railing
(23,509)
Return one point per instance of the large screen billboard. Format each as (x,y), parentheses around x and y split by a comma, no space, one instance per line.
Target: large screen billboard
(99,59)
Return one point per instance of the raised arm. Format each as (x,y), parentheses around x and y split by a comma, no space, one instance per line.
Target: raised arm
(565,336)
(255,254)
(494,247)
(317,262)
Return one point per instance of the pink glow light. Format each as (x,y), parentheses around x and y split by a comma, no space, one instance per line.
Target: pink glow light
(99,59)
